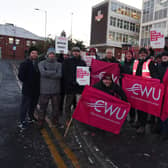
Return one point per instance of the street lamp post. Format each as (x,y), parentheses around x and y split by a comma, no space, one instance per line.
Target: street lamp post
(71,24)
(45,26)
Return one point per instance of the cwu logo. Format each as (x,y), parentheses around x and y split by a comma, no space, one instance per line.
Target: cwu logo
(139,90)
(102,107)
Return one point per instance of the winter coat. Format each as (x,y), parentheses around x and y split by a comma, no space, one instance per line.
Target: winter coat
(127,67)
(113,90)
(29,75)
(69,75)
(162,70)
(51,73)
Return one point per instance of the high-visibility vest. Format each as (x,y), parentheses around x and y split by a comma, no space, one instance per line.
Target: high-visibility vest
(145,68)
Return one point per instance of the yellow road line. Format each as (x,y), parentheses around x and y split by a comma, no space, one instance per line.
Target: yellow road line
(66,149)
(55,154)
(57,158)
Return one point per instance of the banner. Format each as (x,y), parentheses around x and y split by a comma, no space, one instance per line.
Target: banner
(61,45)
(164,114)
(98,68)
(83,75)
(143,93)
(157,38)
(101,110)
(88,59)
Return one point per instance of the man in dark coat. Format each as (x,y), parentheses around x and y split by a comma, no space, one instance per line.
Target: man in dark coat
(29,75)
(71,88)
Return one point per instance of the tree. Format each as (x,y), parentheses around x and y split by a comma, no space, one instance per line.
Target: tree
(76,43)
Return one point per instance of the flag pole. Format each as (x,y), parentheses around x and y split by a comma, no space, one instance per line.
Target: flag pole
(68,126)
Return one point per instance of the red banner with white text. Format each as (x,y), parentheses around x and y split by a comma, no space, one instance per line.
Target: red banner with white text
(143,93)
(164,114)
(101,110)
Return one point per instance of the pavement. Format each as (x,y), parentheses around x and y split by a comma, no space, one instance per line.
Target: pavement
(81,148)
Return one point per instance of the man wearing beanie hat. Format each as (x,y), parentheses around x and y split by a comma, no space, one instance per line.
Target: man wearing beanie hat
(107,85)
(71,88)
(29,75)
(50,89)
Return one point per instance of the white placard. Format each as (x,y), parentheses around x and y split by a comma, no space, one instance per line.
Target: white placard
(82,75)
(61,45)
(88,59)
(157,38)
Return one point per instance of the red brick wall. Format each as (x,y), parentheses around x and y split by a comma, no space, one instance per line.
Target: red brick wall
(7,49)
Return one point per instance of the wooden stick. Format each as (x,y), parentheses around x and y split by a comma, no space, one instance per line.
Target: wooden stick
(68,126)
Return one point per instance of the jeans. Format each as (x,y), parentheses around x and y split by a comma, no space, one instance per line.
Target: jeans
(28,105)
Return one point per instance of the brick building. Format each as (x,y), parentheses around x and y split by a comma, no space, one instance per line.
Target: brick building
(15,41)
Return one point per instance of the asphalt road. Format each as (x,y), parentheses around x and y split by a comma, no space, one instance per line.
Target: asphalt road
(18,150)
(33,148)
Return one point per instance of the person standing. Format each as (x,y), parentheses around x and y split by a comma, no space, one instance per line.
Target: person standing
(29,75)
(109,56)
(50,87)
(72,89)
(143,67)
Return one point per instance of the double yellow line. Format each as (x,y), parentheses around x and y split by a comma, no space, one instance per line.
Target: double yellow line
(59,161)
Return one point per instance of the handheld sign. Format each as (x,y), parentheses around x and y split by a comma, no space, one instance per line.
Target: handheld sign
(83,75)
(157,38)
(61,45)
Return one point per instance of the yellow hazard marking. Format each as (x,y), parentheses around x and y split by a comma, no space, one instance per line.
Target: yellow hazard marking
(55,154)
(66,149)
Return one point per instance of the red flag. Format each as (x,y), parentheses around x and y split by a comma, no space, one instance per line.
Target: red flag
(143,93)
(164,114)
(98,68)
(101,110)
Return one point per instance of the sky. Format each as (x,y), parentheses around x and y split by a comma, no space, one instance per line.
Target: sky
(59,14)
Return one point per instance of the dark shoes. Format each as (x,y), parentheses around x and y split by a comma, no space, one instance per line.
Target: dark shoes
(140,130)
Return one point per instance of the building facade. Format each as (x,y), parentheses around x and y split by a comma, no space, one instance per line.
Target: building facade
(154,15)
(15,41)
(113,24)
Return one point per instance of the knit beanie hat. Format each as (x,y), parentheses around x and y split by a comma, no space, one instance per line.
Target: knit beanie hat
(51,50)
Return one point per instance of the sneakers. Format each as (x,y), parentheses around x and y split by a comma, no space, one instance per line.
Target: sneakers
(23,126)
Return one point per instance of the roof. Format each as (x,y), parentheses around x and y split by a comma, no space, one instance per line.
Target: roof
(14,31)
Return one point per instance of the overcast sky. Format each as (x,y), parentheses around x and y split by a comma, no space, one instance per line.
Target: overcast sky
(21,13)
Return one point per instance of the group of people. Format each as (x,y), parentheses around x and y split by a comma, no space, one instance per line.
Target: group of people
(55,79)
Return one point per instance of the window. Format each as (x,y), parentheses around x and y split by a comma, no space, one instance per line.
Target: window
(17,41)
(112,21)
(112,36)
(33,42)
(125,38)
(28,43)
(120,23)
(10,39)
